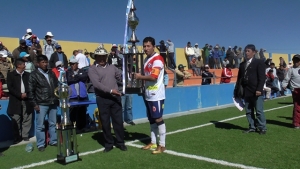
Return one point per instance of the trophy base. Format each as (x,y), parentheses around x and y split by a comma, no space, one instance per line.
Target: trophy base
(67,159)
(133,90)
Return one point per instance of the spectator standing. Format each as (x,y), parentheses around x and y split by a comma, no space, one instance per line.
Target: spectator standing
(280,74)
(206,76)
(293,78)
(42,83)
(261,54)
(19,108)
(171,50)
(190,53)
(199,65)
(216,56)
(226,74)
(29,66)
(28,35)
(230,55)
(181,75)
(48,48)
(76,79)
(21,48)
(163,50)
(197,50)
(114,59)
(205,54)
(82,60)
(59,55)
(249,86)
(104,78)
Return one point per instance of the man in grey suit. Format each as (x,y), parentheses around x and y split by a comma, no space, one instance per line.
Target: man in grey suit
(249,86)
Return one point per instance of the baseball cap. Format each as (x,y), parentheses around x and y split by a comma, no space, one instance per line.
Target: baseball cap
(23,54)
(196,44)
(181,66)
(22,41)
(58,63)
(114,46)
(28,30)
(57,46)
(73,61)
(229,47)
(206,66)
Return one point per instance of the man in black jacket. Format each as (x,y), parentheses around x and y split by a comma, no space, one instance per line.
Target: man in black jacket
(42,83)
(251,77)
(19,108)
(59,55)
(76,79)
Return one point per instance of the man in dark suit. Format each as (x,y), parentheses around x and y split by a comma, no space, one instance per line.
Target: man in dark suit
(19,108)
(249,86)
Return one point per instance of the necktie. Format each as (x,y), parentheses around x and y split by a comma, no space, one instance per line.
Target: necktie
(248,63)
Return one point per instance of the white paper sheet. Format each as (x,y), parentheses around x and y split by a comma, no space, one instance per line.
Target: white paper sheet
(238,103)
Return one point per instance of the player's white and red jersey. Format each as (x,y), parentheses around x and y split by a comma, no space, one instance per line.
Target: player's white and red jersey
(154,66)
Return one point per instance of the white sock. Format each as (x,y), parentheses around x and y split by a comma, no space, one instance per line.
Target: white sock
(162,135)
(154,132)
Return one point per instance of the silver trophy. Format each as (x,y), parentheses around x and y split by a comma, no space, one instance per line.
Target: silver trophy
(134,59)
(66,131)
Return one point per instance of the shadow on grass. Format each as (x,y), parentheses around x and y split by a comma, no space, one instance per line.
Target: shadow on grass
(287,118)
(285,103)
(227,126)
(280,123)
(128,136)
(2,150)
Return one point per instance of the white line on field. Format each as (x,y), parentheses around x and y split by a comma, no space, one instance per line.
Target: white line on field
(134,141)
(208,124)
(201,158)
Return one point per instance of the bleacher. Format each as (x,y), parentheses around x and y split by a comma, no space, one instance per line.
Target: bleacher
(196,80)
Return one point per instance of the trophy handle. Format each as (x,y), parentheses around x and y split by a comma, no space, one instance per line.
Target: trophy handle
(56,92)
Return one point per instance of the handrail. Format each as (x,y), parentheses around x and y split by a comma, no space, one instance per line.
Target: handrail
(175,78)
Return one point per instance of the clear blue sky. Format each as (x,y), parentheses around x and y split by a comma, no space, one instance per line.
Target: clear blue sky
(270,24)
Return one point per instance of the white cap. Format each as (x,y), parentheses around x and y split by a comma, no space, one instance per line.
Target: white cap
(3,55)
(206,66)
(73,61)
(58,63)
(229,47)
(49,34)
(114,45)
(28,30)
(196,44)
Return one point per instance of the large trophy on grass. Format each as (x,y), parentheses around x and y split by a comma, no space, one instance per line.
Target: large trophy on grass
(133,61)
(66,131)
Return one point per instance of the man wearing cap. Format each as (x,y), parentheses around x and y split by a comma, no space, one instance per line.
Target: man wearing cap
(59,55)
(57,68)
(28,35)
(181,74)
(293,78)
(76,79)
(206,76)
(171,49)
(21,48)
(19,108)
(198,51)
(249,86)
(104,78)
(42,83)
(162,50)
(48,48)
(29,66)
(5,65)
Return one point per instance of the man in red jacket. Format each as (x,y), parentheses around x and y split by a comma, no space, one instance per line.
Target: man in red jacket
(226,74)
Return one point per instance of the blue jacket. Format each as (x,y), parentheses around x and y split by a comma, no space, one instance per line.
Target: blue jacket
(79,78)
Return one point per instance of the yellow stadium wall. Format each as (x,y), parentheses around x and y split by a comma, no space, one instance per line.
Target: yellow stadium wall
(267,55)
(180,57)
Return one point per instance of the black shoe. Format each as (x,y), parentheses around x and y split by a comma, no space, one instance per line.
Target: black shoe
(25,138)
(249,131)
(131,123)
(107,149)
(263,132)
(122,147)
(17,140)
(41,149)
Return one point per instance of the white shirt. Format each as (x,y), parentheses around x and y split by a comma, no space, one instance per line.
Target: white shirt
(154,90)
(82,60)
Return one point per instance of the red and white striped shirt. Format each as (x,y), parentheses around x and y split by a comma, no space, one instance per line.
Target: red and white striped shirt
(154,66)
